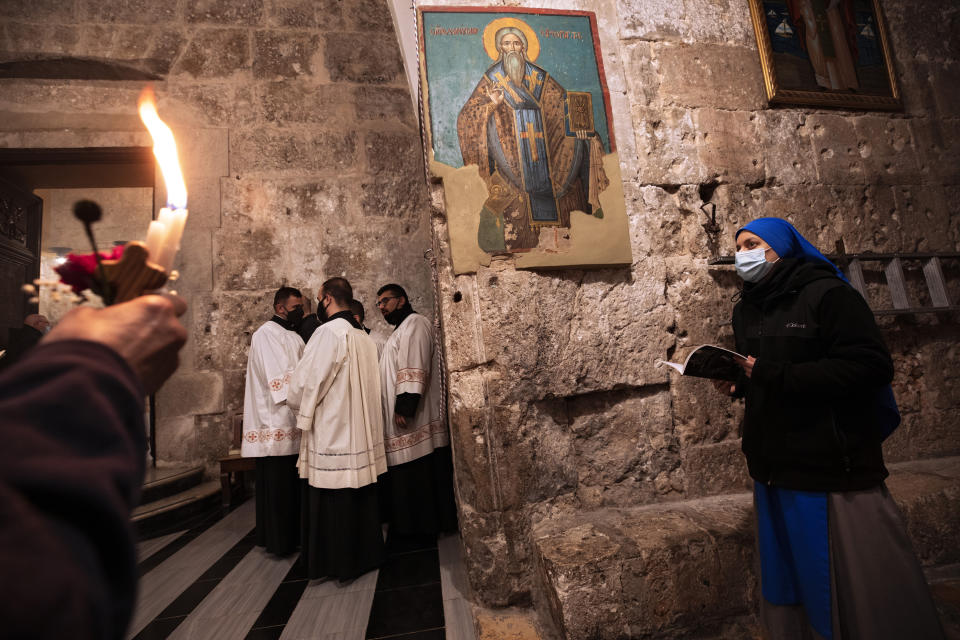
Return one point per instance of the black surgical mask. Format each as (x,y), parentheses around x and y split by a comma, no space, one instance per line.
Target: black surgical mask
(295,317)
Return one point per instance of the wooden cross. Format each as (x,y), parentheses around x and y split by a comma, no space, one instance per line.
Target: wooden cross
(505,83)
(133,274)
(531,137)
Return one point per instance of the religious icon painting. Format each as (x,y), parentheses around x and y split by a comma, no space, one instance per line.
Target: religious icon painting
(828,53)
(519,128)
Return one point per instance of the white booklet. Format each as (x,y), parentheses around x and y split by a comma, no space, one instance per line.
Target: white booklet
(709,361)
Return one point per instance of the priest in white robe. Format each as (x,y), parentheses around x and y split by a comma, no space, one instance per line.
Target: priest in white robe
(417,494)
(336,392)
(270,431)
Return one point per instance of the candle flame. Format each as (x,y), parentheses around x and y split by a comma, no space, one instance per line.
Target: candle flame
(165,150)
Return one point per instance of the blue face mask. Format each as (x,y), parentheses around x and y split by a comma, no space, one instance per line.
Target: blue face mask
(752,265)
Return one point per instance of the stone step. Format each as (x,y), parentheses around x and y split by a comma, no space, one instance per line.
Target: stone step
(677,570)
(177,512)
(161,482)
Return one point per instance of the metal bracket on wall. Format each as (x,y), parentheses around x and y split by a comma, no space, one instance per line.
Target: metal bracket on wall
(852,265)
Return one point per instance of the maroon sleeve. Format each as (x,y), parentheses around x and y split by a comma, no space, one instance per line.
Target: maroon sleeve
(71,466)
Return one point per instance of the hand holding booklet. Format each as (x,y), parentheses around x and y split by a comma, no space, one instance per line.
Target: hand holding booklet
(709,361)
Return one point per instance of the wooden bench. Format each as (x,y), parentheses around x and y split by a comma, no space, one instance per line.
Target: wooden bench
(233,466)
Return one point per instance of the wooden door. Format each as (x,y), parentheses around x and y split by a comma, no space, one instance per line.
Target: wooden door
(21,215)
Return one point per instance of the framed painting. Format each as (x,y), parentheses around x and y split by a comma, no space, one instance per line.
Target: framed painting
(519,127)
(826,53)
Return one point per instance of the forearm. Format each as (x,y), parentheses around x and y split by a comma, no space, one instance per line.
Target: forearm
(70,474)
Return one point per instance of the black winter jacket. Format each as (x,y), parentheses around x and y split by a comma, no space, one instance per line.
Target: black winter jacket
(810,421)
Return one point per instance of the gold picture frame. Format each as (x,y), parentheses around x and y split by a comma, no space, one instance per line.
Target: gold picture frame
(843,61)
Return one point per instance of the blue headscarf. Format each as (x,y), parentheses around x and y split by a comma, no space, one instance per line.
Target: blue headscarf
(786,241)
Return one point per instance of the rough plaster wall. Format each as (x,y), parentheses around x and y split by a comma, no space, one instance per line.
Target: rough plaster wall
(301,154)
(555,403)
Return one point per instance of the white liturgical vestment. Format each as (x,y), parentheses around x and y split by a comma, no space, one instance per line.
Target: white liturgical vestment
(336,392)
(409,364)
(269,425)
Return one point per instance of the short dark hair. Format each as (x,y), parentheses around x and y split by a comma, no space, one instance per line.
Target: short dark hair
(356,308)
(283,293)
(339,289)
(395,289)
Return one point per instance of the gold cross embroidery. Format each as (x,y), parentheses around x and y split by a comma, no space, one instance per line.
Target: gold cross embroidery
(503,82)
(531,137)
(533,80)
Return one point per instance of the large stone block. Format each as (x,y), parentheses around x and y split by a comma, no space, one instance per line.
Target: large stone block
(395,196)
(195,262)
(214,438)
(297,101)
(728,146)
(222,326)
(462,323)
(255,201)
(384,104)
(926,218)
(233,12)
(588,331)
(864,216)
(534,460)
(657,571)
(643,81)
(888,150)
(351,57)
(938,149)
(393,153)
(245,259)
(191,393)
(714,469)
(476,475)
(626,450)
(372,15)
(283,54)
(218,105)
(690,21)
(666,141)
(788,149)
(215,53)
(39,10)
(836,149)
(128,11)
(266,150)
(489,555)
(709,75)
(928,493)
(177,440)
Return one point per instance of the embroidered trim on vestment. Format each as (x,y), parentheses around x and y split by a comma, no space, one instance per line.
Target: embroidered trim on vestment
(270,435)
(412,375)
(412,439)
(277,383)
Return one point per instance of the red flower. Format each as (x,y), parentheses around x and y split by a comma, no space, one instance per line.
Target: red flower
(79,271)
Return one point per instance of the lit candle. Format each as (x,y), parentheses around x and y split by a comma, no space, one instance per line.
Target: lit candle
(173,217)
(156,233)
(173,222)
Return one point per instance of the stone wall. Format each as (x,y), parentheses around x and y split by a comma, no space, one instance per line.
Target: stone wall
(555,404)
(300,152)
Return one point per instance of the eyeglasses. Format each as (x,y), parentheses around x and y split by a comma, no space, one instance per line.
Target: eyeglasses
(382,302)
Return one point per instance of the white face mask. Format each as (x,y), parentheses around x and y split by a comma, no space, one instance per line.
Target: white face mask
(752,265)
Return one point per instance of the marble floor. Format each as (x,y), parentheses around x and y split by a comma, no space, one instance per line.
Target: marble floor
(212,582)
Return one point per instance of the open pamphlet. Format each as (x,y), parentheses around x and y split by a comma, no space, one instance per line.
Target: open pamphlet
(709,361)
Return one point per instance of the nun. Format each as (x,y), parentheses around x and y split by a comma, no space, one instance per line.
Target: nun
(836,561)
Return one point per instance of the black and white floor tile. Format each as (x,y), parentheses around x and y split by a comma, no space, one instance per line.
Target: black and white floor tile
(211,582)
